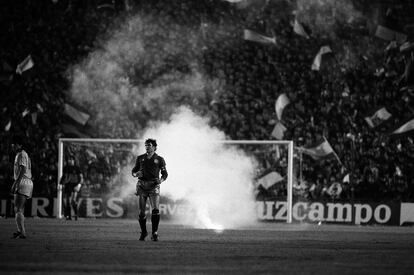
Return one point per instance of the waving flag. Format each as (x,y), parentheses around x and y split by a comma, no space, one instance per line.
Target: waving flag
(76,115)
(316,65)
(378,117)
(407,46)
(386,33)
(242,4)
(270,179)
(255,37)
(281,102)
(299,29)
(409,126)
(408,75)
(323,150)
(25,65)
(25,112)
(279,130)
(389,30)
(8,126)
(346,179)
(106,4)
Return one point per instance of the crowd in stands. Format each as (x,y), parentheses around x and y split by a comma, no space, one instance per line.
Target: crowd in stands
(329,103)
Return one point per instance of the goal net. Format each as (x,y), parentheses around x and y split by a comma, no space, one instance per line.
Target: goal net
(214,185)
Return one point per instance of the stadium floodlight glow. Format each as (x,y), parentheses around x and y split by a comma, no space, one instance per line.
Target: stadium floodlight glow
(287,143)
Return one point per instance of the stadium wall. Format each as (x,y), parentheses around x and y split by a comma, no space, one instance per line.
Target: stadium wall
(357,213)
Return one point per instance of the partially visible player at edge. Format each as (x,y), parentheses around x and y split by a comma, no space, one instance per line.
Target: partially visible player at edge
(71,182)
(22,187)
(147,168)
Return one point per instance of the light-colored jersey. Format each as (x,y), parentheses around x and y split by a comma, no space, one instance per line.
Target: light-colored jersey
(22,159)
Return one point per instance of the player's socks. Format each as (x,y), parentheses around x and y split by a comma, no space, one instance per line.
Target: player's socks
(75,209)
(143,224)
(155,220)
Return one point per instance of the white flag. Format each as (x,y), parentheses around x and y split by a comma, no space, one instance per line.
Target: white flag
(253,36)
(346,178)
(298,29)
(39,107)
(378,117)
(405,128)
(279,130)
(269,179)
(76,115)
(7,128)
(25,112)
(316,65)
(280,104)
(322,150)
(389,34)
(25,65)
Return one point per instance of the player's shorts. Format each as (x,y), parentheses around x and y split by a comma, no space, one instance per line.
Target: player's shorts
(148,188)
(25,187)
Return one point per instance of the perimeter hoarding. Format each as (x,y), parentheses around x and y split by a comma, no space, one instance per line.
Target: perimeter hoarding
(357,213)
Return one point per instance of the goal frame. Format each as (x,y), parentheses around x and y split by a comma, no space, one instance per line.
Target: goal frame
(289,143)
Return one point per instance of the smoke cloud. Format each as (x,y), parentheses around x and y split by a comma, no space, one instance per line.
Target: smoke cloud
(128,85)
(215,179)
(324,16)
(146,68)
(345,27)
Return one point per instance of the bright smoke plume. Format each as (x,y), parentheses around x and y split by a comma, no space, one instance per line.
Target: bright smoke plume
(125,87)
(213,178)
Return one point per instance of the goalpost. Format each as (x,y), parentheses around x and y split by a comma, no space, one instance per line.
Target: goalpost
(85,141)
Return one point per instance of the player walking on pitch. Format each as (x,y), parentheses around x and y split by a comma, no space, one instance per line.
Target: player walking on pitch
(22,187)
(147,168)
(71,181)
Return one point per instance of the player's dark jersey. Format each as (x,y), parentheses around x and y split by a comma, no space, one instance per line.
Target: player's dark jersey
(71,177)
(151,167)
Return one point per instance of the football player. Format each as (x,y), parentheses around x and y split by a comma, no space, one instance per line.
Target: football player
(22,187)
(71,181)
(147,169)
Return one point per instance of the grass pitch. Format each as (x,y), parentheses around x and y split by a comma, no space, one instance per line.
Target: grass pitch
(111,246)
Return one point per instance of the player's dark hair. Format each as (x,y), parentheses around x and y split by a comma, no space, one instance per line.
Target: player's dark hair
(151,141)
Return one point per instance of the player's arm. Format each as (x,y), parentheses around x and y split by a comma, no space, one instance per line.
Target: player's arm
(80,175)
(163,169)
(80,182)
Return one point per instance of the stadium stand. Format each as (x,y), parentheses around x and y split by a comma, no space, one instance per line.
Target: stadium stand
(364,74)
